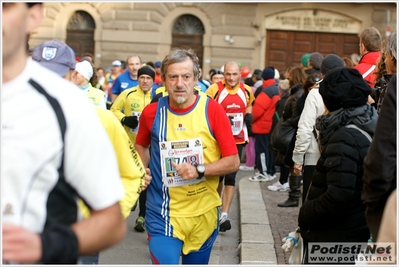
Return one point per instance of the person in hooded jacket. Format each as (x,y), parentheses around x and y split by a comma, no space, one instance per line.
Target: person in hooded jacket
(333,211)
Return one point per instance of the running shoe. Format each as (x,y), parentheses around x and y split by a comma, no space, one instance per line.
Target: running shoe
(246,168)
(277,186)
(140,224)
(259,178)
(271,177)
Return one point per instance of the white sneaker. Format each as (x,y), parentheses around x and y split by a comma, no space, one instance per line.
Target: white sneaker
(271,177)
(286,187)
(277,186)
(246,168)
(258,178)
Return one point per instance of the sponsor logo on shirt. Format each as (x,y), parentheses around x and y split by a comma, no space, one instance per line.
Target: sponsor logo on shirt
(180,128)
(234,105)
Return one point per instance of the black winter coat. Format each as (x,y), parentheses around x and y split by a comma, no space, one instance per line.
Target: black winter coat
(334,211)
(291,114)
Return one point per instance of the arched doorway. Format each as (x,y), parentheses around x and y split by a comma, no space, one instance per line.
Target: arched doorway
(80,33)
(187,33)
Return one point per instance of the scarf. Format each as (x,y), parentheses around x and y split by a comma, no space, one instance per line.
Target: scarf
(84,87)
(365,117)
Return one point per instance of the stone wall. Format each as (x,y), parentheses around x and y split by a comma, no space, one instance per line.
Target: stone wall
(144,28)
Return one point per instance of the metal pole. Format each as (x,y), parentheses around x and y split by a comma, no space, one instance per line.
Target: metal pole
(388,30)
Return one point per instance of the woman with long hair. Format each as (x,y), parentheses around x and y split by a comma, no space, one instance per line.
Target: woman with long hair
(291,114)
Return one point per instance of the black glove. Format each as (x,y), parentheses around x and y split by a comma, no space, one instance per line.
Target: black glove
(231,120)
(66,251)
(249,118)
(130,121)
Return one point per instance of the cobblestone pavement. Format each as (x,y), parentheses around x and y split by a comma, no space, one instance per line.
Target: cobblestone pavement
(282,220)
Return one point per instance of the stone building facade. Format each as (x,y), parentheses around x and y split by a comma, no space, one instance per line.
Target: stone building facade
(255,34)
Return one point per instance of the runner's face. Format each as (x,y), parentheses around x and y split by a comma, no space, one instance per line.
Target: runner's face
(217,78)
(116,69)
(232,74)
(145,82)
(78,79)
(179,82)
(100,73)
(134,65)
(17,22)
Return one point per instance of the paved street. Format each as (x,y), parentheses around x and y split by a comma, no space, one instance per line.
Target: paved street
(282,220)
(134,250)
(226,251)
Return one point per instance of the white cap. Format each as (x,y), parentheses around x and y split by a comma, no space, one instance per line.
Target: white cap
(85,69)
(116,63)
(276,74)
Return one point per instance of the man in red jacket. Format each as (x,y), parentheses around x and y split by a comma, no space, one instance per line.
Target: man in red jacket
(263,110)
(370,46)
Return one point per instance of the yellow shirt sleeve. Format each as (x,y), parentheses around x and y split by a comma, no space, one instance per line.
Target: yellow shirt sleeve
(131,168)
(119,105)
(250,97)
(212,90)
(160,90)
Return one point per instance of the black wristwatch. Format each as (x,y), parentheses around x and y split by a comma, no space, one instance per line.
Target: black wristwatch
(200,170)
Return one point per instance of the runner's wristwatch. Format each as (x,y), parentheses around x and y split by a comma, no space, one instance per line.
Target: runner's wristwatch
(200,170)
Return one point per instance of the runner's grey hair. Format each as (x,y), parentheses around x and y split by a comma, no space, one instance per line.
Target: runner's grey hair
(177,55)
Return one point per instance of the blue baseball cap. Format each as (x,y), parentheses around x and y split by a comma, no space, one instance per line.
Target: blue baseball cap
(56,56)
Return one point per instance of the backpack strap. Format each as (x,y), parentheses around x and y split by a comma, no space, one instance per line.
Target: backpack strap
(366,134)
(56,107)
(277,116)
(62,192)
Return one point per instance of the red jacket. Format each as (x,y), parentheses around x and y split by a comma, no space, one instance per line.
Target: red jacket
(264,107)
(365,66)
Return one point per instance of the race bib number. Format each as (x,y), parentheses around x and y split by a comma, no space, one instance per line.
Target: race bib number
(237,120)
(189,151)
